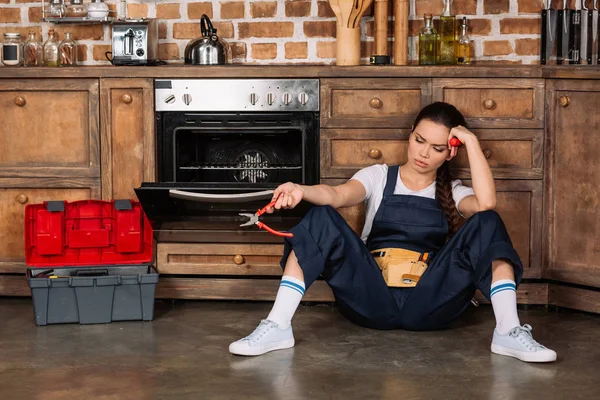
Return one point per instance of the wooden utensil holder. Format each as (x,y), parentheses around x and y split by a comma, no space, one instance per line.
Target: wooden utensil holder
(347,46)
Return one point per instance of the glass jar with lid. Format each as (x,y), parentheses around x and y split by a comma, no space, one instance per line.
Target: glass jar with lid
(67,51)
(12,49)
(33,52)
(97,9)
(57,9)
(77,9)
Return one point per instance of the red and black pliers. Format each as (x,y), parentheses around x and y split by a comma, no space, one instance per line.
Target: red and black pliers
(254,221)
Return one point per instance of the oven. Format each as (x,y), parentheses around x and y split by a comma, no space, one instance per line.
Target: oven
(223,145)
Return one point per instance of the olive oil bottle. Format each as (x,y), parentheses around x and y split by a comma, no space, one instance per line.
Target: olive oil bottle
(463,47)
(447,35)
(427,42)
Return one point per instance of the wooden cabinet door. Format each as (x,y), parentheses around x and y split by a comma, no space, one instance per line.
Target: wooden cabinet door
(572,202)
(49,128)
(127,116)
(16,193)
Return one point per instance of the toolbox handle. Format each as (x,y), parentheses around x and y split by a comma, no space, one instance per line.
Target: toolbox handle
(92,272)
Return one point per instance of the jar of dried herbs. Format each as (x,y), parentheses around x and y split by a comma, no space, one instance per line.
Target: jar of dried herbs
(33,52)
(67,51)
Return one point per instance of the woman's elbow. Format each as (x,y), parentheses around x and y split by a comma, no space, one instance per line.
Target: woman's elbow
(487,205)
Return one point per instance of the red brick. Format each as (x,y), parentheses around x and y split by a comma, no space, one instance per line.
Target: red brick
(265,29)
(479,26)
(81,32)
(319,28)
(35,14)
(232,10)
(168,51)
(527,47)
(435,7)
(297,8)
(162,30)
(263,9)
(81,52)
(326,49)
(10,15)
(497,48)
(23,30)
(366,49)
(99,50)
(168,11)
(238,51)
(324,10)
(529,6)
(191,30)
(195,10)
(493,62)
(529,26)
(495,6)
(6,1)
(264,51)
(296,50)
(137,11)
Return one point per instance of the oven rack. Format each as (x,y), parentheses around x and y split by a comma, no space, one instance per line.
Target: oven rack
(270,167)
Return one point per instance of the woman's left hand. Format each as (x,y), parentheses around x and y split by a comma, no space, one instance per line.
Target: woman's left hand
(462,134)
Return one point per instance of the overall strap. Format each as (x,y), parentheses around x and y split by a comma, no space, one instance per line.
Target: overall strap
(392,178)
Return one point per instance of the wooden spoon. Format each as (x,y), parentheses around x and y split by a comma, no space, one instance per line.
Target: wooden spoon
(335,6)
(346,8)
(364,4)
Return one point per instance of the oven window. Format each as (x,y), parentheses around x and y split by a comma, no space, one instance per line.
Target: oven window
(247,156)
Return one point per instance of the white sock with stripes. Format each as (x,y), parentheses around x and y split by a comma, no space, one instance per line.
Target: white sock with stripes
(504,301)
(288,298)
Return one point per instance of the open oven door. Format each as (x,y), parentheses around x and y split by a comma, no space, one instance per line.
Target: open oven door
(185,213)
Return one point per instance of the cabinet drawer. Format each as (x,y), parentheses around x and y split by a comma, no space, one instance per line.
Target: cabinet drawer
(372,103)
(511,154)
(15,194)
(51,128)
(498,103)
(219,259)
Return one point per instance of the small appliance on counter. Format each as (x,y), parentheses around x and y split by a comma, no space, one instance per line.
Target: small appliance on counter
(208,49)
(135,42)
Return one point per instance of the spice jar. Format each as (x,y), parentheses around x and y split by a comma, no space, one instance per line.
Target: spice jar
(12,49)
(67,51)
(33,52)
(77,9)
(57,9)
(51,50)
(97,9)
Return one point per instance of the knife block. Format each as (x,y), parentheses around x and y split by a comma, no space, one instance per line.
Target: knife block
(347,45)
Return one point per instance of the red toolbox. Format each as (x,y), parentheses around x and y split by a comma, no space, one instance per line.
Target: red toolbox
(91,261)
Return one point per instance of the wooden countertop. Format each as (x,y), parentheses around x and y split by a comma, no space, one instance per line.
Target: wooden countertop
(306,71)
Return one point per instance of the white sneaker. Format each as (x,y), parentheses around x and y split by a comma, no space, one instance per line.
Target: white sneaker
(266,337)
(519,343)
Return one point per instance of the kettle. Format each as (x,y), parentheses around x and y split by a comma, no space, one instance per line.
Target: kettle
(208,49)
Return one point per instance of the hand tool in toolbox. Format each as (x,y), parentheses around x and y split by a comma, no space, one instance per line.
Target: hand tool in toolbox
(254,220)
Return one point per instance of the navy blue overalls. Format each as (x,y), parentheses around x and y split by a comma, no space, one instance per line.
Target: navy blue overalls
(326,246)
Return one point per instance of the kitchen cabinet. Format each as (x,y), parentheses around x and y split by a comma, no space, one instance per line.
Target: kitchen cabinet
(127,136)
(572,189)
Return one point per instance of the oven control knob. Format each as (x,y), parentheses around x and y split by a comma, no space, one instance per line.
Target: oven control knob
(270,99)
(187,99)
(170,99)
(287,98)
(253,98)
(303,98)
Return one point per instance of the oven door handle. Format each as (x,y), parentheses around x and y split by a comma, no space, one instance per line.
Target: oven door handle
(224,198)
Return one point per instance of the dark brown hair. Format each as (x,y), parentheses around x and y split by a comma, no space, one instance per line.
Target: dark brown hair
(447,115)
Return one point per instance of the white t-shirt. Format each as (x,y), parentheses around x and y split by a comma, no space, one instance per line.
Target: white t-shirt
(374,179)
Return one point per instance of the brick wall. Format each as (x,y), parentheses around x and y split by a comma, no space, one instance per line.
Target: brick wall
(290,31)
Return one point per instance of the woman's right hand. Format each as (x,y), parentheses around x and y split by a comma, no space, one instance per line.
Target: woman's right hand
(288,195)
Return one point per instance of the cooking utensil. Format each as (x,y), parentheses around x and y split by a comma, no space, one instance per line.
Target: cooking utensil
(575,34)
(563,17)
(401,9)
(548,33)
(208,49)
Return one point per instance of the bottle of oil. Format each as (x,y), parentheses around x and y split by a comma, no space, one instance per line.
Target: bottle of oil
(427,42)
(447,35)
(463,48)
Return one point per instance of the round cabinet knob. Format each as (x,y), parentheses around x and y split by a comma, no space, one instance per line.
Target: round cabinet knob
(126,99)
(187,99)
(376,103)
(287,98)
(487,153)
(303,98)
(489,104)
(238,259)
(21,198)
(375,154)
(270,99)
(564,101)
(253,98)
(20,101)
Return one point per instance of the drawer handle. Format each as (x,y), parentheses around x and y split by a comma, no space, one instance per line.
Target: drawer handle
(564,101)
(20,101)
(21,198)
(375,102)
(126,98)
(487,153)
(375,154)
(489,104)
(238,259)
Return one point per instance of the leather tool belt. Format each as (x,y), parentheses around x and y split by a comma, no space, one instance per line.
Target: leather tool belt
(400,267)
